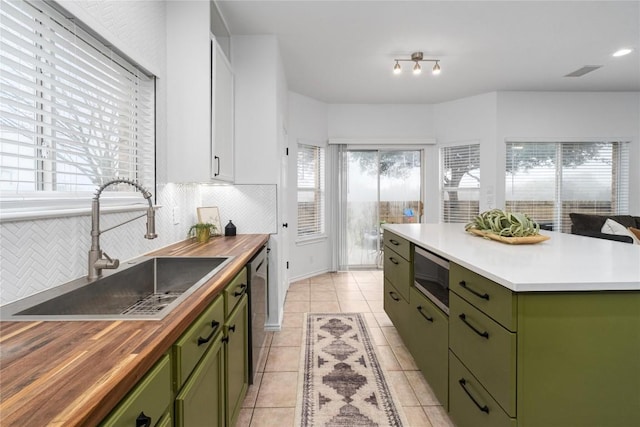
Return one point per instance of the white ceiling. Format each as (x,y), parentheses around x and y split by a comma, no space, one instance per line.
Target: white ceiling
(343,51)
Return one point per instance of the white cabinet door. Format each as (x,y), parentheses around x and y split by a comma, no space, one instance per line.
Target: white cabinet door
(222,116)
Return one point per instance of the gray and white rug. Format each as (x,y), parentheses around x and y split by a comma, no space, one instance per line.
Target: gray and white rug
(343,384)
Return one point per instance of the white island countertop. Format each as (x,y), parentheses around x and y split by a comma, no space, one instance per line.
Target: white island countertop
(566,262)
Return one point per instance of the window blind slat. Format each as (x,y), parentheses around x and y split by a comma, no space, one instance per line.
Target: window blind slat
(460,185)
(550,180)
(311,177)
(74,114)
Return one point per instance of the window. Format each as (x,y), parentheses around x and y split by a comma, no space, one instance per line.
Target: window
(310,191)
(460,171)
(549,180)
(73,113)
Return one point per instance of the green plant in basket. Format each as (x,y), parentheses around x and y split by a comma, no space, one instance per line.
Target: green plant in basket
(202,231)
(506,224)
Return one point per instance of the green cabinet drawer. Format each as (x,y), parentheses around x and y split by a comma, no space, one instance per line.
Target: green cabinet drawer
(428,343)
(470,405)
(397,308)
(192,345)
(200,402)
(236,359)
(150,398)
(486,348)
(399,244)
(494,300)
(234,291)
(397,270)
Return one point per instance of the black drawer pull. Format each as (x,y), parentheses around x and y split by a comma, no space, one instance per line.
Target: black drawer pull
(225,339)
(214,325)
(484,334)
(243,288)
(430,319)
(143,420)
(393,260)
(394,242)
(476,293)
(463,383)
(217,159)
(391,293)
(232,328)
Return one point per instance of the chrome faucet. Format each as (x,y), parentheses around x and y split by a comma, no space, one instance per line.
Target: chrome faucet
(96,261)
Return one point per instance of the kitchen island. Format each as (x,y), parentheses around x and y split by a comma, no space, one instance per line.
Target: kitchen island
(74,373)
(537,335)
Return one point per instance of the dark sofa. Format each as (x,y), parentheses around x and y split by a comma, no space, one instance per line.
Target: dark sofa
(590,225)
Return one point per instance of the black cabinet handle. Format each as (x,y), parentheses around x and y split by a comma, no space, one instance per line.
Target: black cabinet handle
(391,293)
(429,318)
(243,288)
(217,159)
(215,326)
(143,420)
(394,242)
(476,293)
(463,383)
(225,339)
(484,334)
(285,225)
(393,260)
(232,328)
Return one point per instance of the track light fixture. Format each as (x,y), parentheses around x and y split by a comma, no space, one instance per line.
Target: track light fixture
(417,58)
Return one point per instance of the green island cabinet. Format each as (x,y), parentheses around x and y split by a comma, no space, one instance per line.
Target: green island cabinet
(542,358)
(422,326)
(526,359)
(203,379)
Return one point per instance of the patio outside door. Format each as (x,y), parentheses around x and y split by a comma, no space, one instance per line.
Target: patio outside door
(382,186)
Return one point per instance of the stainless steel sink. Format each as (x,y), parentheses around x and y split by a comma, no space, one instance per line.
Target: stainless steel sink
(147,288)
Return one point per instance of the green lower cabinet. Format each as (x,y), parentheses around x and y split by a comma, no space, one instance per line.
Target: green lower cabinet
(470,404)
(236,360)
(165,421)
(148,401)
(201,400)
(397,308)
(428,342)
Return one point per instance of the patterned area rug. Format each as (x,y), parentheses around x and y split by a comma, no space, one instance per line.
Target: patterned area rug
(343,384)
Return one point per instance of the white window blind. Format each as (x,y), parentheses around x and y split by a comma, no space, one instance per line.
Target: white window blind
(550,180)
(311,164)
(460,190)
(73,113)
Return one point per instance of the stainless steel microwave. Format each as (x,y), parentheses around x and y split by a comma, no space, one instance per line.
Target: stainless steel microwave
(431,277)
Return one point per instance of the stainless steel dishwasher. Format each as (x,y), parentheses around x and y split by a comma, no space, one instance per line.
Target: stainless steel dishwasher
(258,268)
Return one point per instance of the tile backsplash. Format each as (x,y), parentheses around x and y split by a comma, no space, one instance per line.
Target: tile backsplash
(38,254)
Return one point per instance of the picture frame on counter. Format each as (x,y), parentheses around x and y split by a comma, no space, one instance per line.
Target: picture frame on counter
(211,215)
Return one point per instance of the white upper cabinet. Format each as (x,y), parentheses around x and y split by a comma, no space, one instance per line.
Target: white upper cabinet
(198,148)
(222,115)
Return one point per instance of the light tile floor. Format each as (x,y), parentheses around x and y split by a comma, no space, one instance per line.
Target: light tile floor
(271,400)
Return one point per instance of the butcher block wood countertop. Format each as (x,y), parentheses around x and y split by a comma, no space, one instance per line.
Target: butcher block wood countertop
(74,373)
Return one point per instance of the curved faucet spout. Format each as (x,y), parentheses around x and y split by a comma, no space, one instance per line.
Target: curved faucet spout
(96,261)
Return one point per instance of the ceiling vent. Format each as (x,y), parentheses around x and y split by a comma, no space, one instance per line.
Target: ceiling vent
(584,70)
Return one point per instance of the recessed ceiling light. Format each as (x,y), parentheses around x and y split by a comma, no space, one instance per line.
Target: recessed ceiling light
(623,52)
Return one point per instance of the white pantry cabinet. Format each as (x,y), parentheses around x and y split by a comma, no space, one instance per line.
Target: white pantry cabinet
(199,86)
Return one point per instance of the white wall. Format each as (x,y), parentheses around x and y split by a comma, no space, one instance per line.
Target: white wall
(380,121)
(467,120)
(255,66)
(308,123)
(260,140)
(570,115)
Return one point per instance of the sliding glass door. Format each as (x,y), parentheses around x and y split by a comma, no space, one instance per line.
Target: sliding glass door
(380,186)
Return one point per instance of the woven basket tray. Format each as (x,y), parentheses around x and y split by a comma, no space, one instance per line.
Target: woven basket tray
(528,240)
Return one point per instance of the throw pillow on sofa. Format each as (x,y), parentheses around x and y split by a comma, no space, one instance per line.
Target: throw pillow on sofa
(612,227)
